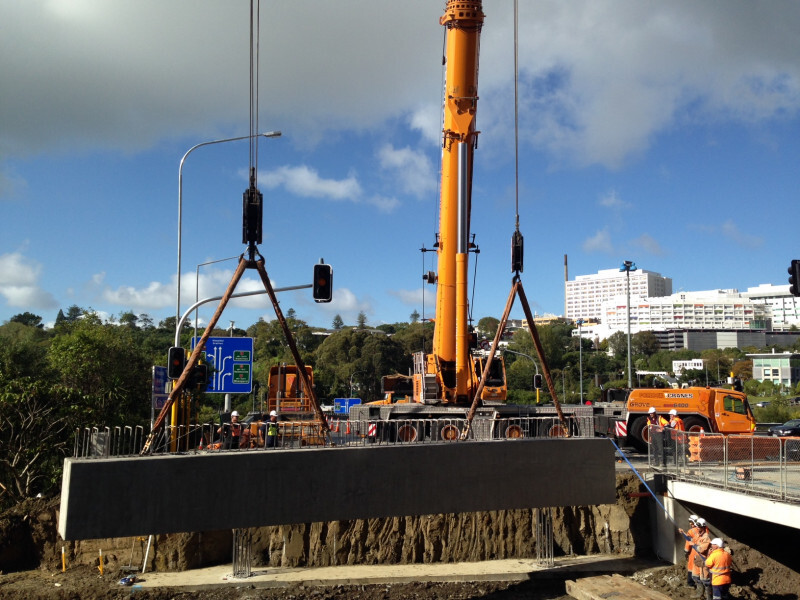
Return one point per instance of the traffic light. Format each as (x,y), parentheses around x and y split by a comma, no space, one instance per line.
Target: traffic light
(537,381)
(176,361)
(794,278)
(200,376)
(323,283)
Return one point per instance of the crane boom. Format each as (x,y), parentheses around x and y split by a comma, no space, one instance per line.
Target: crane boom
(450,359)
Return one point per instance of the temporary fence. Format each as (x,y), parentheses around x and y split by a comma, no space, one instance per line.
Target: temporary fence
(753,464)
(94,442)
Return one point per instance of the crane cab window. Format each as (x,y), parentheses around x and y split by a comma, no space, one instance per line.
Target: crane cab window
(734,405)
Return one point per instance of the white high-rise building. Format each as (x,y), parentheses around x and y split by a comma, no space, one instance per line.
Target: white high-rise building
(785,308)
(587,293)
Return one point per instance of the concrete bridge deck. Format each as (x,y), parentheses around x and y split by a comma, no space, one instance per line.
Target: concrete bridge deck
(119,497)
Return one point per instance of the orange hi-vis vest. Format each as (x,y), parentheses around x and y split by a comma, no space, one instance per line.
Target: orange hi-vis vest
(719,563)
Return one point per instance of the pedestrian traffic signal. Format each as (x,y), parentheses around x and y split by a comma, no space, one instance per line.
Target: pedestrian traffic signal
(794,278)
(176,361)
(323,283)
(537,381)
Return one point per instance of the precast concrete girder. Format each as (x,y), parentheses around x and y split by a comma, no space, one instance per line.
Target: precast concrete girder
(134,496)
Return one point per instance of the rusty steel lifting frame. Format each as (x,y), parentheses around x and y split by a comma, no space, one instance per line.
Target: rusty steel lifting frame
(180,384)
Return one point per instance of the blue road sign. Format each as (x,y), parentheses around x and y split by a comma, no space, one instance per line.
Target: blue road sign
(159,389)
(341,406)
(230,362)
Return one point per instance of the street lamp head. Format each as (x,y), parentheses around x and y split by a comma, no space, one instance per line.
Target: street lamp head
(628,265)
(271,134)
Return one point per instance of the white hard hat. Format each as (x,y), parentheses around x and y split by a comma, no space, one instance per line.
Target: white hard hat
(693,518)
(673,412)
(234,414)
(718,542)
(273,413)
(652,410)
(701,521)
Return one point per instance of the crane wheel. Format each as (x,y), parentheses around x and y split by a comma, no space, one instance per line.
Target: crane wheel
(557,431)
(449,433)
(514,432)
(407,433)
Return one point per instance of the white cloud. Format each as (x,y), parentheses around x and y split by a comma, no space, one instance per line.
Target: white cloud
(408,297)
(730,230)
(305,181)
(411,168)
(599,242)
(612,200)
(648,244)
(19,283)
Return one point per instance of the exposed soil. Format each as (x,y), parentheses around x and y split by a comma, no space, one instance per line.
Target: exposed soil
(30,554)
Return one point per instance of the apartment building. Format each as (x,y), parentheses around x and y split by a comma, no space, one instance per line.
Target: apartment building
(586,294)
(784,308)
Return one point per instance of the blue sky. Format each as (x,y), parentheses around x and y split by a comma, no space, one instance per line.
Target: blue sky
(666,133)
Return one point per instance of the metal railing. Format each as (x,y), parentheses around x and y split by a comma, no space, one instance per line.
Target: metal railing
(108,442)
(750,464)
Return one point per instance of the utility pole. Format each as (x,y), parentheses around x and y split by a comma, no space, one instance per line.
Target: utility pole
(629,266)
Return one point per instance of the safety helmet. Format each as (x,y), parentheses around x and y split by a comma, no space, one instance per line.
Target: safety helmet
(717,542)
(693,518)
(673,412)
(651,410)
(273,413)
(701,521)
(234,414)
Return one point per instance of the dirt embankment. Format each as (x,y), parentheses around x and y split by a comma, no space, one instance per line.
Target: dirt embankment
(28,539)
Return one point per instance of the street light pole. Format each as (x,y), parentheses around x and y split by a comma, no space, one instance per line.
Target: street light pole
(533,360)
(629,266)
(351,381)
(580,357)
(267,134)
(197,285)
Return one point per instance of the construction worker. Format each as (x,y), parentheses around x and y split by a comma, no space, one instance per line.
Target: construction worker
(719,564)
(269,430)
(687,548)
(231,432)
(701,546)
(655,426)
(677,437)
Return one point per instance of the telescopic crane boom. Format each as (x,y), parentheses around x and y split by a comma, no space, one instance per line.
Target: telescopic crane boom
(450,360)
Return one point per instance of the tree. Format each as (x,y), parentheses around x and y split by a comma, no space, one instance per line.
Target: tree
(644,342)
(27,318)
(488,326)
(414,316)
(128,319)
(618,344)
(362,320)
(338,323)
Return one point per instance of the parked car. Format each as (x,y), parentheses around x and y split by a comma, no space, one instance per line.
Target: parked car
(794,401)
(790,428)
(762,404)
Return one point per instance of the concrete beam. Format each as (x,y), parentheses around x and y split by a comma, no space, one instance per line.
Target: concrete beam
(754,506)
(132,496)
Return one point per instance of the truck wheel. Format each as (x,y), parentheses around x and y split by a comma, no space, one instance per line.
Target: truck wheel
(695,424)
(449,433)
(407,433)
(514,432)
(639,433)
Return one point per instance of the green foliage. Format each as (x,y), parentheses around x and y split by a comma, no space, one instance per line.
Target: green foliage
(488,326)
(27,318)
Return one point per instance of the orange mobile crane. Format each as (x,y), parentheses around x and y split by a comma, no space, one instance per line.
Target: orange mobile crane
(446,380)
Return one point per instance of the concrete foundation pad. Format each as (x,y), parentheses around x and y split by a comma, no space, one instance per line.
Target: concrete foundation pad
(491,570)
(134,496)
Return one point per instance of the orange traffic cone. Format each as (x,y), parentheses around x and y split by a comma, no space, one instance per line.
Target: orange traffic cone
(336,426)
(348,428)
(201,446)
